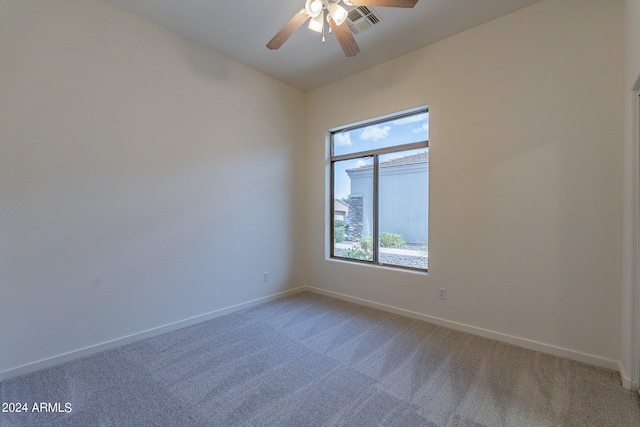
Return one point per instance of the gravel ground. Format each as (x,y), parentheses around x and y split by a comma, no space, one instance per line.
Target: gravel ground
(405,260)
(412,261)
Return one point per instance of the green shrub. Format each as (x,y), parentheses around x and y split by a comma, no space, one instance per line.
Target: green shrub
(364,249)
(367,243)
(392,240)
(339,228)
(357,252)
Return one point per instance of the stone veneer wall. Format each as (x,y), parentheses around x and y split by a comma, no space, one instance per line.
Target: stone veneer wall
(355,227)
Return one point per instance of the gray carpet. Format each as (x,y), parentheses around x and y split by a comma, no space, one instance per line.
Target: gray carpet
(309,360)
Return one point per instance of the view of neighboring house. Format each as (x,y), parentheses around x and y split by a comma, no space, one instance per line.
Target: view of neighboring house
(403,208)
(340,210)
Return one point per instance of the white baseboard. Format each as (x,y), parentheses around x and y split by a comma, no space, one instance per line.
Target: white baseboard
(522,342)
(627,382)
(510,339)
(118,342)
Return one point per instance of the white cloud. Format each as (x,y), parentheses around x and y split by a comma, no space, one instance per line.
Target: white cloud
(423,128)
(360,163)
(342,139)
(375,133)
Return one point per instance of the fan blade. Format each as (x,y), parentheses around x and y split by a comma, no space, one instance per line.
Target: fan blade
(384,3)
(345,38)
(288,29)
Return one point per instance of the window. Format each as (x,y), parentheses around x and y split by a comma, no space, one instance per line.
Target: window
(380,191)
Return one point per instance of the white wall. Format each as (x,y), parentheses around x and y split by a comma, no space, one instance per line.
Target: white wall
(144,179)
(629,327)
(526,126)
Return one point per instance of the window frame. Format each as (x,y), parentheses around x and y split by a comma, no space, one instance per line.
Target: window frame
(375,154)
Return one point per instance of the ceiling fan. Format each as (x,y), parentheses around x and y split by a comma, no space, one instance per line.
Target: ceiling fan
(335,14)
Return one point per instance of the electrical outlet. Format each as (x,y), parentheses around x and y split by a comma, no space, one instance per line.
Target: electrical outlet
(442,293)
(265,276)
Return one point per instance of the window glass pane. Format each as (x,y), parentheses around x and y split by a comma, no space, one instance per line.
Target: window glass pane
(380,191)
(404,130)
(353,209)
(403,208)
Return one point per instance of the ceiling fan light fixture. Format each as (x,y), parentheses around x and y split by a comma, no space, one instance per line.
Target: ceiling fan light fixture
(338,13)
(317,23)
(313,7)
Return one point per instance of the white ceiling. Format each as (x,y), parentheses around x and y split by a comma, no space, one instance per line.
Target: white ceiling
(240,29)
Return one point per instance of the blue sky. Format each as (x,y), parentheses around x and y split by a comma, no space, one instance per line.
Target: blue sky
(393,132)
